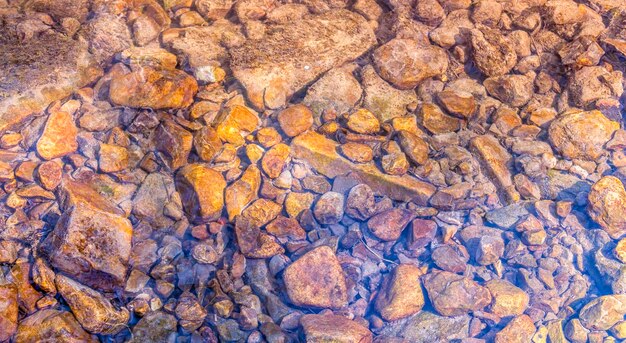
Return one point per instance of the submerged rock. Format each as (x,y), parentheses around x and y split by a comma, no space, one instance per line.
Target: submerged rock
(53,326)
(607,205)
(582,135)
(333,328)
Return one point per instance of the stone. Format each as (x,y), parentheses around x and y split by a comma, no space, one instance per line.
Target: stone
(243,191)
(357,152)
(174,142)
(437,122)
(296,202)
(518,330)
(316,280)
(262,211)
(415,148)
(497,162)
(581,135)
(252,242)
(202,191)
(321,154)
(38,71)
(451,257)
(363,121)
(155,326)
(49,174)
(59,135)
(52,326)
(404,63)
(107,35)
(454,295)
(272,71)
(492,53)
(295,119)
(149,56)
(337,90)
(286,227)
(394,163)
(153,88)
(382,99)
(333,328)
(426,327)
(422,232)
(92,310)
(360,203)
(236,121)
(460,103)
(388,225)
(154,194)
(401,294)
(514,90)
(329,208)
(508,300)
(190,312)
(8,311)
(91,241)
(590,84)
(603,312)
(606,205)
(207,143)
(275,160)
(112,158)
(575,331)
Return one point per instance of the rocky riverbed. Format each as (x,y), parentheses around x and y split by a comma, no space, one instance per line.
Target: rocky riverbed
(312,171)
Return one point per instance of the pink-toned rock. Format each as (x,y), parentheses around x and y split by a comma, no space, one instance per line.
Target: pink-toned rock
(401,293)
(607,205)
(333,328)
(454,295)
(202,191)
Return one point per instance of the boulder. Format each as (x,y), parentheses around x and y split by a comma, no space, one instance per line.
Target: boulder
(581,135)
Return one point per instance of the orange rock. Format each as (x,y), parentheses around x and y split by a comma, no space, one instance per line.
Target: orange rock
(202,191)
(607,205)
(8,311)
(59,135)
(295,119)
(401,294)
(519,330)
(333,328)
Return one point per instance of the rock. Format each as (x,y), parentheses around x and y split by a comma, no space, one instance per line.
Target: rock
(590,84)
(454,295)
(202,191)
(360,203)
(333,328)
(207,143)
(514,90)
(422,233)
(388,225)
(271,71)
(451,257)
(275,159)
(8,311)
(357,152)
(174,142)
(401,294)
(243,191)
(337,90)
(437,122)
(603,312)
(156,326)
(508,300)
(91,241)
(295,119)
(321,154)
(236,121)
(329,208)
(52,326)
(286,227)
(59,135)
(581,135)
(363,121)
(190,312)
(413,146)
(252,242)
(92,310)
(382,99)
(492,52)
(49,174)
(519,329)
(154,194)
(153,88)
(112,158)
(489,250)
(38,71)
(426,327)
(460,103)
(607,202)
(316,280)
(107,34)
(394,163)
(575,331)
(262,211)
(404,63)
(497,162)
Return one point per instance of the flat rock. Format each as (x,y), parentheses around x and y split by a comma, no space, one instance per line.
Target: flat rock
(382,99)
(321,153)
(497,162)
(154,193)
(508,300)
(603,312)
(493,54)
(295,119)
(388,225)
(202,191)
(243,191)
(289,56)
(333,328)
(581,135)
(59,135)
(52,326)
(454,295)
(155,326)
(93,311)
(514,90)
(174,142)
(254,243)
(316,280)
(518,330)
(607,205)
(8,311)
(427,327)
(401,294)
(337,90)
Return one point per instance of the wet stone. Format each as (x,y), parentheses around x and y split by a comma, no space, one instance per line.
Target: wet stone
(329,208)
(388,225)
(453,295)
(334,328)
(607,200)
(202,191)
(401,294)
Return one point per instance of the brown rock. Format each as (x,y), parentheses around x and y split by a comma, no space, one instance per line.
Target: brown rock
(603,312)
(459,103)
(243,191)
(49,174)
(437,122)
(8,311)
(92,310)
(382,99)
(295,119)
(52,326)
(338,90)
(262,211)
(388,225)
(581,134)
(190,312)
(590,84)
(404,63)
(333,328)
(317,280)
(275,159)
(451,257)
(112,158)
(607,205)
(153,88)
(207,143)
(363,121)
(329,208)
(236,122)
(173,141)
(401,294)
(454,295)
(252,242)
(519,330)
(357,152)
(497,162)
(202,191)
(413,146)
(514,90)
(492,52)
(59,135)
(508,300)
(286,227)
(360,203)
(422,232)
(322,154)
